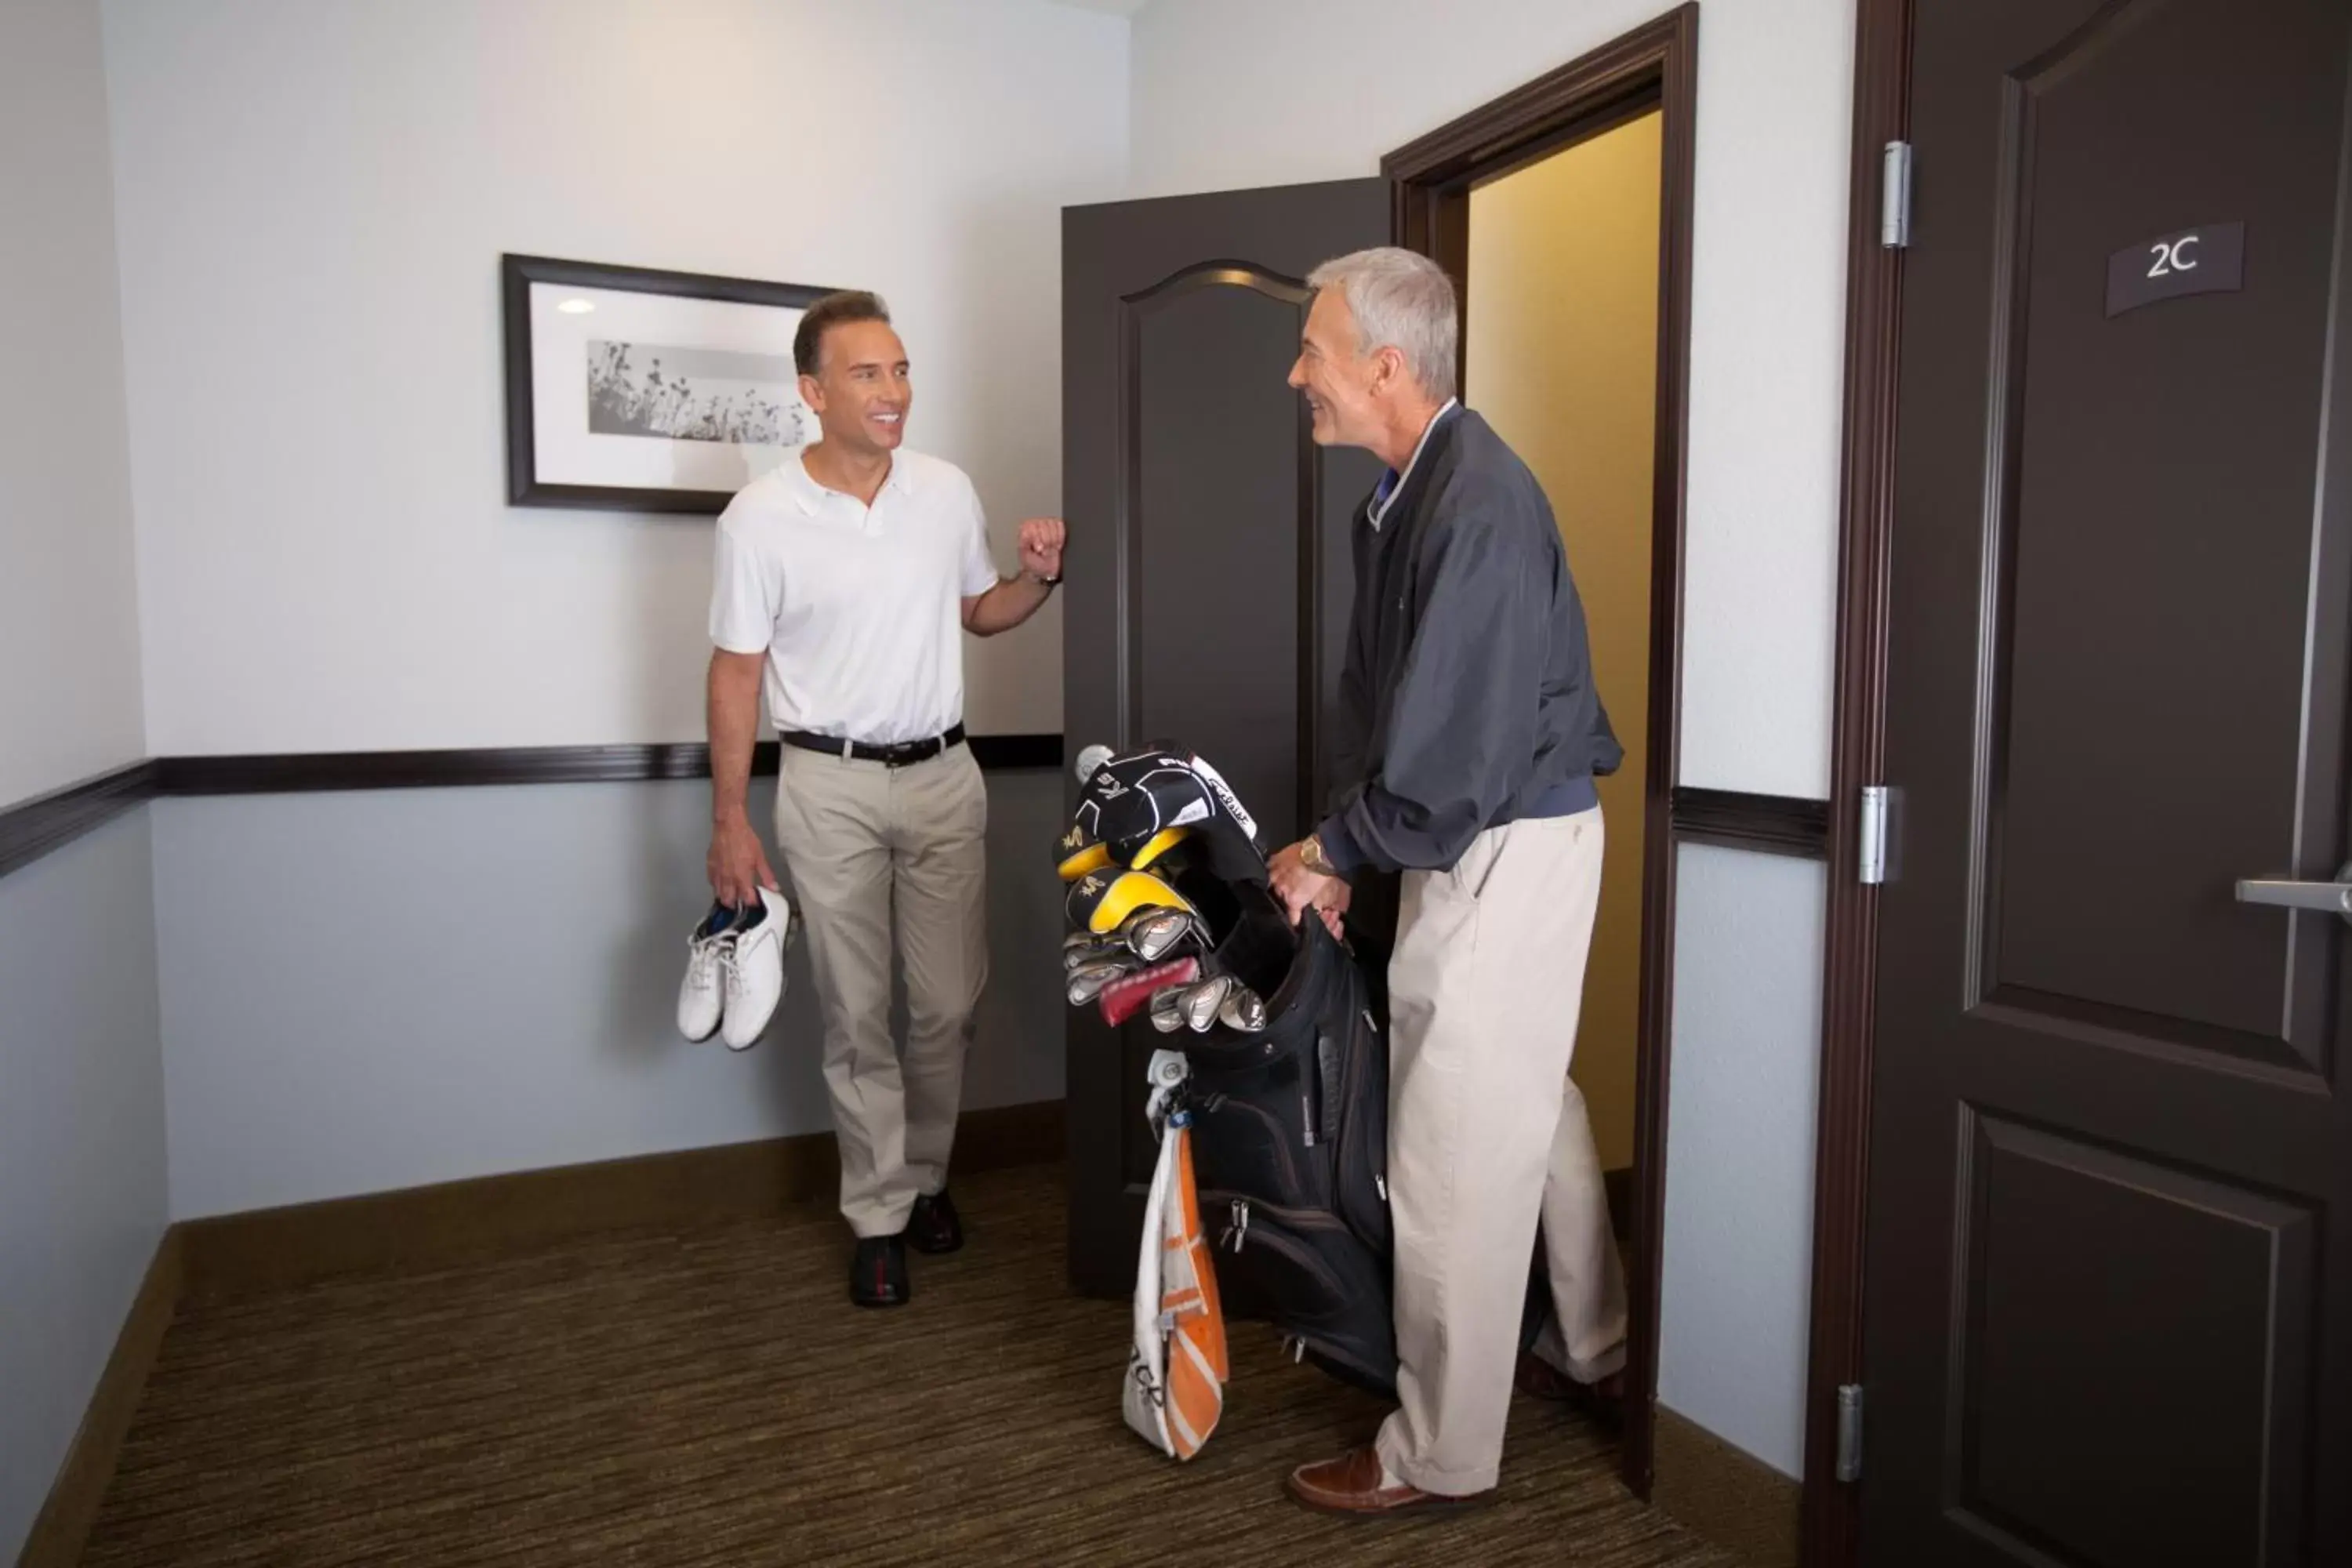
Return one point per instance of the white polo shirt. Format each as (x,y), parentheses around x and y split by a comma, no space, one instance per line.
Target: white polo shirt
(858,609)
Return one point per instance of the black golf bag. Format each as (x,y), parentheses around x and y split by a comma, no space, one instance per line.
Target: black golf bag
(1290,1150)
(1289,1122)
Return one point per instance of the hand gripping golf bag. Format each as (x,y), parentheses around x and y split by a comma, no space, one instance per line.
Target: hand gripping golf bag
(1288,1124)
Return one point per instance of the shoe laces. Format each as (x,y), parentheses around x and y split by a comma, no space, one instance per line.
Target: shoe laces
(730,971)
(705,957)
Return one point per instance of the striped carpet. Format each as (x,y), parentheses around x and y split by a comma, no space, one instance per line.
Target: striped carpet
(710,1398)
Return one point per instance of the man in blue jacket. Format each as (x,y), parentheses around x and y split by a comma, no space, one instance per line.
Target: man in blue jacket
(1472,729)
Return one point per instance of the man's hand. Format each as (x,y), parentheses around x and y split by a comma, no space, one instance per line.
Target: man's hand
(738,863)
(1042,541)
(1301,890)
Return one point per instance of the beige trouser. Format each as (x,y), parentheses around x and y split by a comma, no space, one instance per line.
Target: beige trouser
(1486,1134)
(865,842)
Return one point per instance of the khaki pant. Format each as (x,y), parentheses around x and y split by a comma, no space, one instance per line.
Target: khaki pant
(1486,1132)
(866,844)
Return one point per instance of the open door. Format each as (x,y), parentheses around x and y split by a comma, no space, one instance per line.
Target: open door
(1209,598)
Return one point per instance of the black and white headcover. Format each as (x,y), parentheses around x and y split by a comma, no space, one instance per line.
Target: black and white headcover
(1130,799)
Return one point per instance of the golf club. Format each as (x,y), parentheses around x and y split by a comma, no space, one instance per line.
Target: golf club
(1168,1009)
(1087,980)
(1243,1011)
(1200,1004)
(1123,999)
(1152,933)
(1085,948)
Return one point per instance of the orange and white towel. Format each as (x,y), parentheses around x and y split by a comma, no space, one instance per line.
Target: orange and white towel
(1177,1371)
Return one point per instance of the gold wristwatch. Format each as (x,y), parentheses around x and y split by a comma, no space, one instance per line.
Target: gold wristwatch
(1311,856)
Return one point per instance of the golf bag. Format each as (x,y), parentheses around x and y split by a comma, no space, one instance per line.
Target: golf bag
(1288,1120)
(1290,1149)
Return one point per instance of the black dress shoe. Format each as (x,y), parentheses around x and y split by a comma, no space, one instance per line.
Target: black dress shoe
(934,1226)
(877,1274)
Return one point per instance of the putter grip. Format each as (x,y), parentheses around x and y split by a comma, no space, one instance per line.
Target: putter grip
(1124,999)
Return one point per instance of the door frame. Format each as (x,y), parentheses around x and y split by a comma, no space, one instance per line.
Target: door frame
(1656,66)
(1830,1529)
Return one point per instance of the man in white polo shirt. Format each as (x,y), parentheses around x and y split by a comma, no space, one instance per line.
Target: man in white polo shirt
(842,579)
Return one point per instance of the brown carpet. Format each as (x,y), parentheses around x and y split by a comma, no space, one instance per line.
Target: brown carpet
(710,1397)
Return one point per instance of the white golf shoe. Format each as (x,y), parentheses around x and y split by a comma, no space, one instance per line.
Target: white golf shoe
(751,969)
(701,998)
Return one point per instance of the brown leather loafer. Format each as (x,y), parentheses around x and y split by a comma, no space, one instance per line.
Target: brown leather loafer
(1351,1484)
(1540,1379)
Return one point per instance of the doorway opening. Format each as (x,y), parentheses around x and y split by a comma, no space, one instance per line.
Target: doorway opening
(1562,212)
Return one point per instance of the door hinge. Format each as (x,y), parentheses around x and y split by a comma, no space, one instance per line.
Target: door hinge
(1871,853)
(1849,1445)
(1895,198)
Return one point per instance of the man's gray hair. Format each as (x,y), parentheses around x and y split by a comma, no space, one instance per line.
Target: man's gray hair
(1402,300)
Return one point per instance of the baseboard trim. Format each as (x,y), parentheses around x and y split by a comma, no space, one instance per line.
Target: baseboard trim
(1725,1494)
(62,1527)
(489,1217)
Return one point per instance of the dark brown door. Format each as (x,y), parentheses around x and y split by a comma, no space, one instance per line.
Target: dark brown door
(2109,1287)
(1210,580)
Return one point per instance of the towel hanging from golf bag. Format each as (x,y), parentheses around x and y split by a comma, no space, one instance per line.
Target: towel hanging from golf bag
(1177,1368)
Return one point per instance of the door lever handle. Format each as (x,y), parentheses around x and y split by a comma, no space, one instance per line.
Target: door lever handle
(2328,897)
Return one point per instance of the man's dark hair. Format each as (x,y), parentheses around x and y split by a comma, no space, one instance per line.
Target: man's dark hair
(833,310)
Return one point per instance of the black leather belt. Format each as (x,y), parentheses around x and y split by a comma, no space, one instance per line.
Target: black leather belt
(905,754)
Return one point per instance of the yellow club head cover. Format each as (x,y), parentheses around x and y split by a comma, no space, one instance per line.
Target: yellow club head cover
(1078,855)
(1101,901)
(1159,844)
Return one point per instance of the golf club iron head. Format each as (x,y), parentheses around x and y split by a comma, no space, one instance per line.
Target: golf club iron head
(1201,1002)
(1168,1009)
(1085,948)
(1151,934)
(1087,981)
(1243,1011)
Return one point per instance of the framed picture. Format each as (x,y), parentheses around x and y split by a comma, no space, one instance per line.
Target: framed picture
(632,390)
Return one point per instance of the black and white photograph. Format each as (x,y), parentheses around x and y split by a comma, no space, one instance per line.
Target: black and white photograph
(635,390)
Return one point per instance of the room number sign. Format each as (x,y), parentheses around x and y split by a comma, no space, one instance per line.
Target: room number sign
(2208,260)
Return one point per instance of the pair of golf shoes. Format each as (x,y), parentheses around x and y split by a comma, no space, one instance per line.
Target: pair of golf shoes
(735,971)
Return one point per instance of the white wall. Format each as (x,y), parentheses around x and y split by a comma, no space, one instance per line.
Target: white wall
(69,604)
(1233,94)
(82,1140)
(1738,1293)
(312,201)
(380,989)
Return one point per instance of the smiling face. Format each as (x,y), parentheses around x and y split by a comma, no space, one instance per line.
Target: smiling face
(861,391)
(1342,386)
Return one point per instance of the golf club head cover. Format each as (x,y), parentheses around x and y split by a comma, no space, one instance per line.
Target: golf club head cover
(1131,802)
(1100,900)
(1079,854)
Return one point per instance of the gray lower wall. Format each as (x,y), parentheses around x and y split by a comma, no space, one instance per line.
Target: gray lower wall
(1736,1298)
(82,1191)
(378,989)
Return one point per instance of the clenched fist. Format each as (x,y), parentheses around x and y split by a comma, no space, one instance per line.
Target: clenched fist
(1042,539)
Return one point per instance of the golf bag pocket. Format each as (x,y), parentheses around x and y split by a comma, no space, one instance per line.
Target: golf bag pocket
(1253,1146)
(1302,1272)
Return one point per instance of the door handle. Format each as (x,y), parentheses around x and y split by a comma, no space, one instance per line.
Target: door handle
(2328,897)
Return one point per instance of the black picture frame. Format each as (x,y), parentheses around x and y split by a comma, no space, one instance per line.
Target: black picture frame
(515,275)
